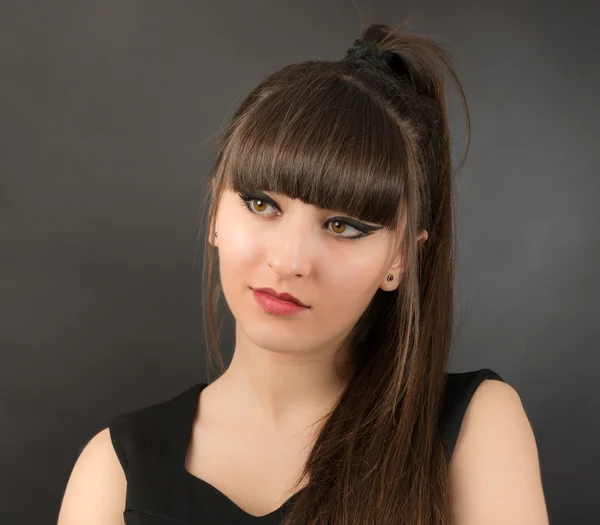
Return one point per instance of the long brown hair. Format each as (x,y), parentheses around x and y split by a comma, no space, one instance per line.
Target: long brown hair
(358,137)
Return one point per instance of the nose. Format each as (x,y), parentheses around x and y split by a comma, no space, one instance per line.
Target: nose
(292,249)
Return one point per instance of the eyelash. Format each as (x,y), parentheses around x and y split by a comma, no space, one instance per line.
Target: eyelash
(246,198)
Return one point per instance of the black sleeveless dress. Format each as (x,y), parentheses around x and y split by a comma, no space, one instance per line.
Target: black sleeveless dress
(151,444)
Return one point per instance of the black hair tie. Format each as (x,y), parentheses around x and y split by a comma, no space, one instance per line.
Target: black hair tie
(373,55)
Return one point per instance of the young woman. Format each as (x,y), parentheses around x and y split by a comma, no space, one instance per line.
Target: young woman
(330,209)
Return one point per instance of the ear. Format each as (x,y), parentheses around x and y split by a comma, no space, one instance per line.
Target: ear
(398,268)
(212,239)
(212,228)
(395,270)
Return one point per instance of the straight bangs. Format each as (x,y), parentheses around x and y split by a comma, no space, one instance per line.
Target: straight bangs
(324,141)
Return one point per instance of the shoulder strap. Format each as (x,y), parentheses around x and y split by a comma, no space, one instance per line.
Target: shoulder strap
(154,433)
(460,388)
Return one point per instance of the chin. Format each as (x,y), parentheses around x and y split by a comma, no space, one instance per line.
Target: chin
(284,338)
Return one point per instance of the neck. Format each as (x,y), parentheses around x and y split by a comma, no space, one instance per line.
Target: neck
(279,389)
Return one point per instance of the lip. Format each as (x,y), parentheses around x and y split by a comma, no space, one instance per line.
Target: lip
(275,306)
(281,296)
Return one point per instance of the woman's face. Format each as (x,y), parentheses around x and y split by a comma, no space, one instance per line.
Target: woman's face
(294,247)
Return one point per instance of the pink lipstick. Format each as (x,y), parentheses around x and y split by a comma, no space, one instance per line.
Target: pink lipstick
(277,306)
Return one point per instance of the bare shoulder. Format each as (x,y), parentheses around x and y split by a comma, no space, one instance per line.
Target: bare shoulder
(495,472)
(95,492)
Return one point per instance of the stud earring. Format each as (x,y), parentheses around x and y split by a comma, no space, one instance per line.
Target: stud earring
(390,277)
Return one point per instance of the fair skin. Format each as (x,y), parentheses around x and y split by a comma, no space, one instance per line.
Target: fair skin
(277,378)
(495,472)
(254,432)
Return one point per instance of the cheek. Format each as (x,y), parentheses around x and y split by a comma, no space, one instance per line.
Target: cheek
(239,252)
(240,244)
(356,276)
(347,289)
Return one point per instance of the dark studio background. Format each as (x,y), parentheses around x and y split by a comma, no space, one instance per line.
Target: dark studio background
(108,111)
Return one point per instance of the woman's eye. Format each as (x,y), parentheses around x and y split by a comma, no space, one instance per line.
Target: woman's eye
(338,227)
(259,204)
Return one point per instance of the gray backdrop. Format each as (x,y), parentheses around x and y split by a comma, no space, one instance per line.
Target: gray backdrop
(108,111)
